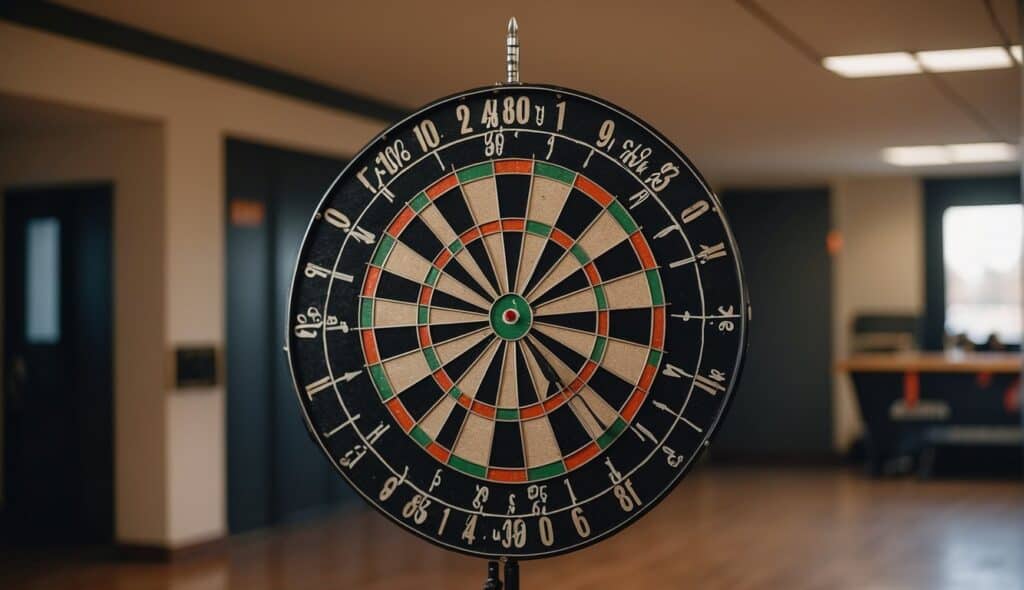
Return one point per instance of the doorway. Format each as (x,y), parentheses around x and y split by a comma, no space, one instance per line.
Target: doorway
(275,473)
(58,458)
(783,409)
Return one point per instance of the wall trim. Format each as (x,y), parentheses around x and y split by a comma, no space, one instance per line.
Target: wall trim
(145,553)
(107,33)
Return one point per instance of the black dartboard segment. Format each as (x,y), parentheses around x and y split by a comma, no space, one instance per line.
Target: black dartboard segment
(517,318)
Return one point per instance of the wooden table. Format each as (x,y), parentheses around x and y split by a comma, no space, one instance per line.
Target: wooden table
(934,362)
(914,402)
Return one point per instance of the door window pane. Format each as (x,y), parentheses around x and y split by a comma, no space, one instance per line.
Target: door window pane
(42,280)
(981,252)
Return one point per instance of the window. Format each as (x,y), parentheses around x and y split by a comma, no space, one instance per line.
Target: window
(42,280)
(981,253)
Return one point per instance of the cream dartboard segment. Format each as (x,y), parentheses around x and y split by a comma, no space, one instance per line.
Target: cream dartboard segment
(529,319)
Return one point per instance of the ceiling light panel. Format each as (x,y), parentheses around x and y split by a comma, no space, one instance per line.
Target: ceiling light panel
(917,155)
(872,64)
(962,60)
(869,65)
(957,153)
(963,153)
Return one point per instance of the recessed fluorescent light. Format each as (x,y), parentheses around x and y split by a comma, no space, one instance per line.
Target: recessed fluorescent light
(917,155)
(872,64)
(902,62)
(960,60)
(982,152)
(956,153)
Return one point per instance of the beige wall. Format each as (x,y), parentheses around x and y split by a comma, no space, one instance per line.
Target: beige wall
(196,113)
(131,157)
(880,268)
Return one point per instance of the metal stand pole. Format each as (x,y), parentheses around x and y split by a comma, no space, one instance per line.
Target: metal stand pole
(493,581)
(511,575)
(511,582)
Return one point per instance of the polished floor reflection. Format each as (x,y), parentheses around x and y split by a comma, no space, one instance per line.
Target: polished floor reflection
(722,528)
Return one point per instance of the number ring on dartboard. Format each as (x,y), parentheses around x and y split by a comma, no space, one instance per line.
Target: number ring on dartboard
(519,316)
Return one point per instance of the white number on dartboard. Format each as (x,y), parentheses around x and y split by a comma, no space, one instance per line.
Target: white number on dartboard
(580,522)
(547,531)
(426,135)
(605,135)
(628,500)
(469,531)
(416,509)
(516,110)
(393,157)
(390,485)
(494,143)
(513,533)
(462,114)
(342,222)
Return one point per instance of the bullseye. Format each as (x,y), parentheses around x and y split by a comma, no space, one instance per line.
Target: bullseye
(511,317)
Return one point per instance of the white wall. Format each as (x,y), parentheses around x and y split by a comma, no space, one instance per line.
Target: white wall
(879,268)
(196,113)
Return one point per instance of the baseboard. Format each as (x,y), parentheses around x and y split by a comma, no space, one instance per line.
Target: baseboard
(162,554)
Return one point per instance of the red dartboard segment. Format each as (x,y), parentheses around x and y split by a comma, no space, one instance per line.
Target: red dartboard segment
(561,238)
(658,328)
(636,399)
(513,166)
(582,456)
(643,250)
(402,220)
(438,452)
(442,259)
(492,227)
(370,282)
(507,475)
(513,225)
(592,275)
(594,191)
(469,236)
(370,347)
(400,413)
(441,186)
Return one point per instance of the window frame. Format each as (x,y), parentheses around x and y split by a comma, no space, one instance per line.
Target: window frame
(939,195)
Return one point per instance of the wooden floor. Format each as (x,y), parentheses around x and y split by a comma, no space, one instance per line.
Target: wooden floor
(728,528)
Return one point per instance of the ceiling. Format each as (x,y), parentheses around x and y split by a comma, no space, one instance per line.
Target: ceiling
(739,100)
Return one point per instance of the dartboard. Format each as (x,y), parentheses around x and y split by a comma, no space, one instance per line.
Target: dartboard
(517,318)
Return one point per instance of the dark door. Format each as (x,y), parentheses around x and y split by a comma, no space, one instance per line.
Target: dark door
(783,406)
(275,474)
(58,393)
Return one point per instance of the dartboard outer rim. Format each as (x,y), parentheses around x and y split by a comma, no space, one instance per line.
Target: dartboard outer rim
(712,430)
